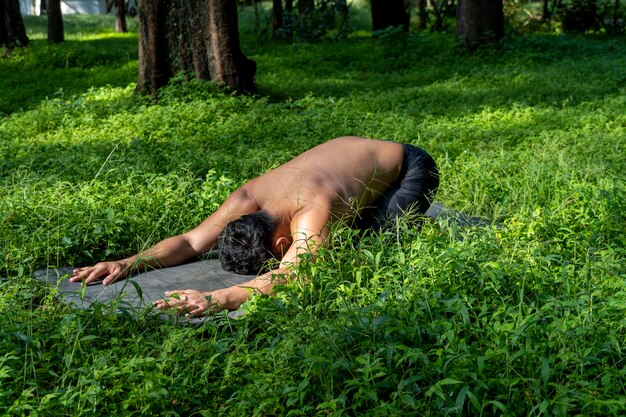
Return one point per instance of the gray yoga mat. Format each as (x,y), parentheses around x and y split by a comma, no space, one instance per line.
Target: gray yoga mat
(445,215)
(142,289)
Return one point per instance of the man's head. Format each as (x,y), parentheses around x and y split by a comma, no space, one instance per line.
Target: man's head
(246,244)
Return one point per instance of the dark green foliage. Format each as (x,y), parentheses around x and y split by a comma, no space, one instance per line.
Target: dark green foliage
(308,21)
(524,319)
(580,16)
(570,16)
(314,24)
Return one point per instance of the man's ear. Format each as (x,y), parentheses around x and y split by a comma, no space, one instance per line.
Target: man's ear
(281,244)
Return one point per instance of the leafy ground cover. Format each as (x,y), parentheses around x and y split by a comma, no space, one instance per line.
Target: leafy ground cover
(525,319)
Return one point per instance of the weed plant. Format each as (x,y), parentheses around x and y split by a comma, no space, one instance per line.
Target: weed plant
(527,318)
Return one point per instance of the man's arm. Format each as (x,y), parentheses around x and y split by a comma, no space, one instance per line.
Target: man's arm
(174,250)
(309,230)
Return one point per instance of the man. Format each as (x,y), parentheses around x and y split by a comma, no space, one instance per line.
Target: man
(287,212)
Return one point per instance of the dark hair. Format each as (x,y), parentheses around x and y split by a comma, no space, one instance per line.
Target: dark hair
(246,243)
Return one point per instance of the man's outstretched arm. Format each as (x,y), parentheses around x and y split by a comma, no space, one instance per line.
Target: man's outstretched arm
(174,250)
(171,251)
(197,303)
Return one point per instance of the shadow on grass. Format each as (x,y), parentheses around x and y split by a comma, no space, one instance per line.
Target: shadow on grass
(431,68)
(420,74)
(315,90)
(42,71)
(114,159)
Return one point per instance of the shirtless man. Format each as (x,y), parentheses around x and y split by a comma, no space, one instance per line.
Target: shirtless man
(287,212)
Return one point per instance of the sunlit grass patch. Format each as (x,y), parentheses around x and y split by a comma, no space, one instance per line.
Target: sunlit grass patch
(78,26)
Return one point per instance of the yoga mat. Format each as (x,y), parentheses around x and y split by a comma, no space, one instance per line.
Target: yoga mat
(445,215)
(140,290)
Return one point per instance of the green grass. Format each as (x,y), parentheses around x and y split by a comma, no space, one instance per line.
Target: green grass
(525,319)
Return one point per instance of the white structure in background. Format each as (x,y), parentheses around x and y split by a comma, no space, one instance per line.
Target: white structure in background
(33,7)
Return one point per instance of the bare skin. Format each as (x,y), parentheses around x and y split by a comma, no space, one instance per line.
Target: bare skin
(325,184)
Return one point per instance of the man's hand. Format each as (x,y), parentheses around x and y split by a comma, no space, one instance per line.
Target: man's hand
(108,272)
(193,302)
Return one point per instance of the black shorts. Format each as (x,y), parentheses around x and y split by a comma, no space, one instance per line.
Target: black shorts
(412,192)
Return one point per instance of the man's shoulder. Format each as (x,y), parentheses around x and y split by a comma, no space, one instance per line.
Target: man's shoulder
(243,200)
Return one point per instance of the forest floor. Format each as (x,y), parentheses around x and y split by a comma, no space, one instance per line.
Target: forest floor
(528,318)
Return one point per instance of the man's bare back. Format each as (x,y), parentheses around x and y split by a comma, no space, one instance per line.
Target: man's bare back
(341,175)
(330,182)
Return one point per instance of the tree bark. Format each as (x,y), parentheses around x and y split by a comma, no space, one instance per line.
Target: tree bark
(277,15)
(545,13)
(120,16)
(479,21)
(198,38)
(422,14)
(386,13)
(55,22)
(154,71)
(12,31)
(228,65)
(306,7)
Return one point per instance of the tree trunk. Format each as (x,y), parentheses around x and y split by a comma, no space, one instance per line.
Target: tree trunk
(545,13)
(227,64)
(479,21)
(198,38)
(422,14)
(306,7)
(120,16)
(55,22)
(277,15)
(12,31)
(616,10)
(289,5)
(386,13)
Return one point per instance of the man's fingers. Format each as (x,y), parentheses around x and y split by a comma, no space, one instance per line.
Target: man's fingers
(175,293)
(188,302)
(88,274)
(197,312)
(111,278)
(94,276)
(79,274)
(107,272)
(168,303)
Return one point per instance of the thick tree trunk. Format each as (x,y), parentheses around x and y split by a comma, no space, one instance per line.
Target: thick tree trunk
(616,13)
(154,70)
(55,22)
(387,13)
(227,64)
(277,15)
(289,5)
(422,14)
(12,31)
(120,16)
(198,38)
(306,7)
(545,13)
(479,21)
